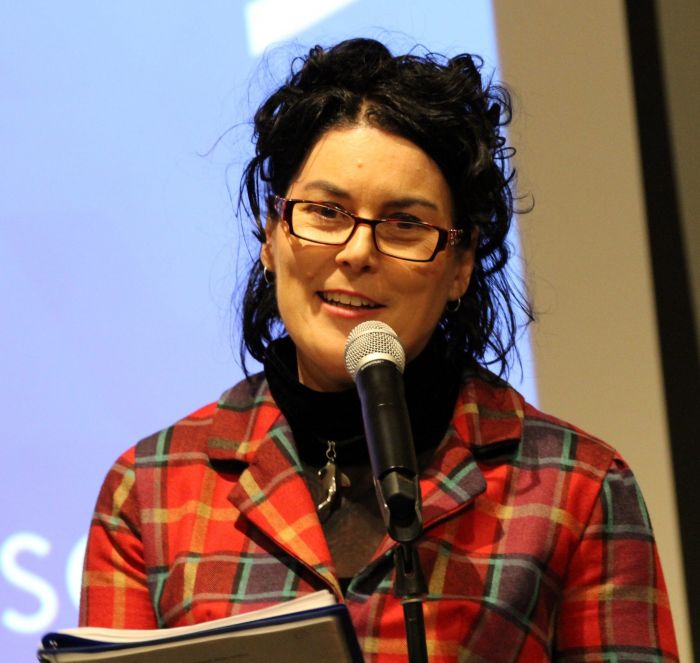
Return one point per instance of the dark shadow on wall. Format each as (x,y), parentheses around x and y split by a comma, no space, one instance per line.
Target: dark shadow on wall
(674,303)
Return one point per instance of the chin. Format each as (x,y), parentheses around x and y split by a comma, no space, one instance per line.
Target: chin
(322,365)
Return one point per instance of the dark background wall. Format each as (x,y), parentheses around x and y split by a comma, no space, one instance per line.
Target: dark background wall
(679,32)
(663,39)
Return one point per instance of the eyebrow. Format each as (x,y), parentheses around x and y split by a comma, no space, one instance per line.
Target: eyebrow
(328,187)
(402,202)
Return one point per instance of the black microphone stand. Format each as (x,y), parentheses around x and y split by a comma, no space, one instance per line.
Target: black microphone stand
(400,504)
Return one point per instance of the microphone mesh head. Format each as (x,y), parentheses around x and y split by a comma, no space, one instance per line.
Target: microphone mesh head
(373,341)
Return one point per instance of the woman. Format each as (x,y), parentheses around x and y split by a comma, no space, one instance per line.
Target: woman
(381,191)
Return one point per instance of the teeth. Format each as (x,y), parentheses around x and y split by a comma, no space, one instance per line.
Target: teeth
(347,300)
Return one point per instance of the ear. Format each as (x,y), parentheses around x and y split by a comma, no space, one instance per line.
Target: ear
(267,249)
(464,267)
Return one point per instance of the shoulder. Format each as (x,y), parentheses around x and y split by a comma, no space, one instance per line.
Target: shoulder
(223,431)
(546,460)
(539,439)
(551,441)
(237,416)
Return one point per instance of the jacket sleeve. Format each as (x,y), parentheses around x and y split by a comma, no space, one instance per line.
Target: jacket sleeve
(615,604)
(114,590)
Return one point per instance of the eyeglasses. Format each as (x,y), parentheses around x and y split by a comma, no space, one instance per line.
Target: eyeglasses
(395,236)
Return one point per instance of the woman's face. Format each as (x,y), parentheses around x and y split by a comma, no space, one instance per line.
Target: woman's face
(325,291)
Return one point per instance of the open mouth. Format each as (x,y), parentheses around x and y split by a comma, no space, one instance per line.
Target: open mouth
(348,301)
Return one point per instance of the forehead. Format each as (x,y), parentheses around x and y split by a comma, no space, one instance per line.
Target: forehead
(364,161)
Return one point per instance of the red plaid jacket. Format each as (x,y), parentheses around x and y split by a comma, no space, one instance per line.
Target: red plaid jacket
(537,544)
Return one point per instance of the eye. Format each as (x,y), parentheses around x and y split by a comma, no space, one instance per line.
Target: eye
(323,211)
(406,225)
(405,221)
(327,212)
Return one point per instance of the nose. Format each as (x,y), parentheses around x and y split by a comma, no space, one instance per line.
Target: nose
(359,252)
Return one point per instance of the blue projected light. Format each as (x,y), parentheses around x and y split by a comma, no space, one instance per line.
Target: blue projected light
(119,246)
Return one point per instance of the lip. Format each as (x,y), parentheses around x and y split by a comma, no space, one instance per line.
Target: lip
(347,311)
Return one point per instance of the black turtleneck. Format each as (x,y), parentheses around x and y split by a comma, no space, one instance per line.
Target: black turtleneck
(431,383)
(354,527)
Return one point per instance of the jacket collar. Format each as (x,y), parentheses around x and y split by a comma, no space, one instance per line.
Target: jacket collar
(488,414)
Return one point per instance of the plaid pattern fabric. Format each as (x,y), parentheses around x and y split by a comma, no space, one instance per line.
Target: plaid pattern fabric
(537,544)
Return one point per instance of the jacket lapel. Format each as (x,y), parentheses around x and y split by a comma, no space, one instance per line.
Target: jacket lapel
(487,419)
(271,492)
(449,485)
(488,416)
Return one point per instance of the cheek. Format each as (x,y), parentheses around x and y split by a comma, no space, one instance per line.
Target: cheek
(299,275)
(423,290)
(298,260)
(431,281)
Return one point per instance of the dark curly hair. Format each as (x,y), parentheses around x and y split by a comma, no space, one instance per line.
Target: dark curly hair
(441,105)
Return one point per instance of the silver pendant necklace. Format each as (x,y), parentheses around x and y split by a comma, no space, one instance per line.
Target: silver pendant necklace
(332,480)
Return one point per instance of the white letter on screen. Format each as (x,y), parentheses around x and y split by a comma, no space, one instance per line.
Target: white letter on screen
(40,620)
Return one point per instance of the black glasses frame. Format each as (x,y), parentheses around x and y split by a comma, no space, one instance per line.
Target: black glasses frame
(446,236)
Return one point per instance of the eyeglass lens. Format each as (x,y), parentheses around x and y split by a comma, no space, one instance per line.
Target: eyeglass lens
(395,237)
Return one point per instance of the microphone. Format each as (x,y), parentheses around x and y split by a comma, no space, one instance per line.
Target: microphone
(375,359)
